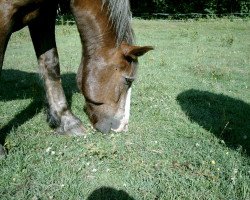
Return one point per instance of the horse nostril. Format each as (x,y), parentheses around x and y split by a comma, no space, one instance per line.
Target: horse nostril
(129,80)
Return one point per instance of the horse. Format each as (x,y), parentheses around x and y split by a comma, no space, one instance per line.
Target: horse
(108,65)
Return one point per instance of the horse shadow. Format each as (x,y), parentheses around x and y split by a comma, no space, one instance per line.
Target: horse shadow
(108,193)
(227,118)
(18,85)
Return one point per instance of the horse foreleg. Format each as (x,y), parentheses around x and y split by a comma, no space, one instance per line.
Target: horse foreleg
(2,49)
(5,32)
(59,115)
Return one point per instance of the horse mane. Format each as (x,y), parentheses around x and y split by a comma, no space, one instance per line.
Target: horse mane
(119,14)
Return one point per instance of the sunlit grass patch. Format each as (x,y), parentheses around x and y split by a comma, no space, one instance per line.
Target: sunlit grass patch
(189,131)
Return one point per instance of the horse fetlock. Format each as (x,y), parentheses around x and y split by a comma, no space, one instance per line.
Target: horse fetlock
(55,111)
(71,125)
(53,119)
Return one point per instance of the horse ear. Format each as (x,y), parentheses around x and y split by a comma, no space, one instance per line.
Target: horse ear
(135,51)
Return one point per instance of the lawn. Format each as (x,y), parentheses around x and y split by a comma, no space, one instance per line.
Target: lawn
(189,133)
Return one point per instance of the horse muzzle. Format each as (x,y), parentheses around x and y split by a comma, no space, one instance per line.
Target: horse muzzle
(112,124)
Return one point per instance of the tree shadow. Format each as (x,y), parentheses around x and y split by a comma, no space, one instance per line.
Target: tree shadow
(18,85)
(108,193)
(225,117)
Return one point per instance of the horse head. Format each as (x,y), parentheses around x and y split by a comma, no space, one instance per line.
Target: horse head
(109,61)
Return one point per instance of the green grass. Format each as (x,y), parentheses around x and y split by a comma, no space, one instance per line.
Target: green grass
(189,134)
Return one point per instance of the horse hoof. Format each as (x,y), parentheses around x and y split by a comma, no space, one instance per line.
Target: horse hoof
(75,129)
(70,125)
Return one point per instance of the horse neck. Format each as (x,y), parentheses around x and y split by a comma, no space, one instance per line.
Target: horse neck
(96,31)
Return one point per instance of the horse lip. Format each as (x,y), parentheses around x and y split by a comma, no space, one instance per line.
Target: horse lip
(123,129)
(123,126)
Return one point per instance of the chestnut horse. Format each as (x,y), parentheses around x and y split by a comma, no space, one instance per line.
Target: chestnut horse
(108,65)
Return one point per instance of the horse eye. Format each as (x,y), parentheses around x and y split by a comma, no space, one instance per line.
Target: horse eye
(129,59)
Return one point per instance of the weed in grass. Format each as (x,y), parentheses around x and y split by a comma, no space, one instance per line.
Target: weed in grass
(216,75)
(194,36)
(227,40)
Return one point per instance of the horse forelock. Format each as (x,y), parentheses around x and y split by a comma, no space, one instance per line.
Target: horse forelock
(120,16)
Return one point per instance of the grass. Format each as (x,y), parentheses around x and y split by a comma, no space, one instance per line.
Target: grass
(189,134)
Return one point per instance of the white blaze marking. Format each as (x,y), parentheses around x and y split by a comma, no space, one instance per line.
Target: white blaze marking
(124,121)
(127,105)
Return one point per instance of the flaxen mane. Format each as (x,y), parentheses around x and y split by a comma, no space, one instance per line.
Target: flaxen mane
(120,17)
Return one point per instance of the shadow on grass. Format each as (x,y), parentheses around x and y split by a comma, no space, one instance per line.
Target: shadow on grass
(225,117)
(18,85)
(108,193)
